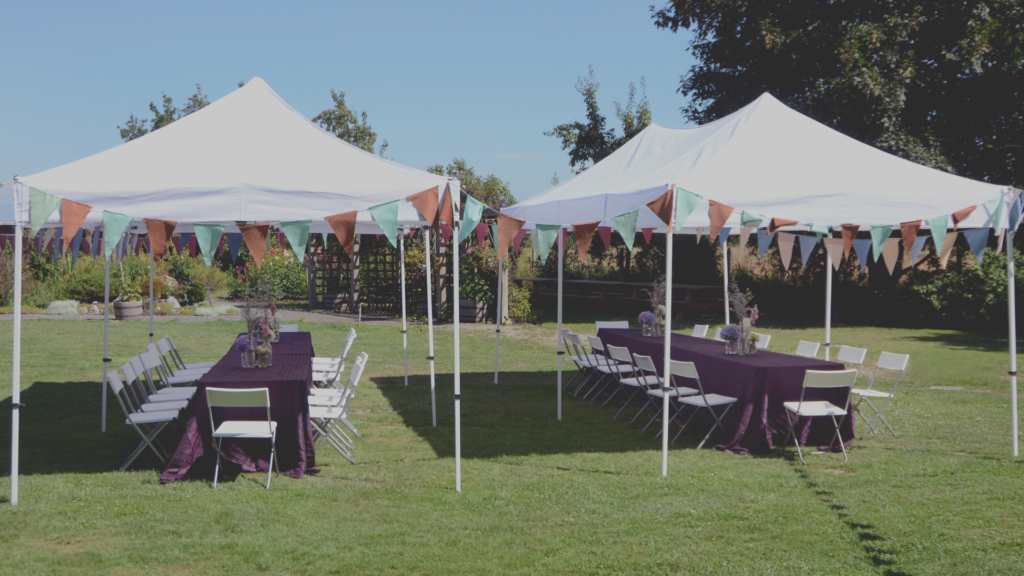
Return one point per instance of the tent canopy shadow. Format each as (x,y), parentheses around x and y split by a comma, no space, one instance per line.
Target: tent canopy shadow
(517,417)
(60,432)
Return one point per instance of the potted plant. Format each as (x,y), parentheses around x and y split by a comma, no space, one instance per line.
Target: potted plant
(130,276)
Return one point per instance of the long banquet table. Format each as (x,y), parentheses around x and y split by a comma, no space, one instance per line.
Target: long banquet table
(288,380)
(761,382)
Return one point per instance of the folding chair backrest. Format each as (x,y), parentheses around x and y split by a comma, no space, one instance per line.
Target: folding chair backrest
(237,398)
(174,349)
(161,348)
(645,363)
(132,380)
(829,378)
(619,354)
(718,334)
(595,343)
(762,340)
(348,344)
(701,331)
(151,361)
(807,349)
(165,350)
(289,328)
(114,381)
(684,370)
(141,372)
(620,324)
(891,361)
(851,355)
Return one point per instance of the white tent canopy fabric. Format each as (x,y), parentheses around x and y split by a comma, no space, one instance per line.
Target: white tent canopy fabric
(765,159)
(248,157)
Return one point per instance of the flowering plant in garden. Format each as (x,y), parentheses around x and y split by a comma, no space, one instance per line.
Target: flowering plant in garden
(646,318)
(731,332)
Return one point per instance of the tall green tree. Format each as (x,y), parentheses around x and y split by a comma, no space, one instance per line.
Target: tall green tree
(163,115)
(590,142)
(344,124)
(489,189)
(939,83)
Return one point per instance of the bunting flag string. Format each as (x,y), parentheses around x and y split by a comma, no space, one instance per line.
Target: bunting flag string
(41,205)
(208,237)
(977,238)
(255,238)
(786,243)
(584,234)
(472,213)
(626,225)
(297,234)
(386,215)
(891,253)
(863,250)
(158,233)
(114,225)
(546,236)
(834,247)
(344,226)
(807,245)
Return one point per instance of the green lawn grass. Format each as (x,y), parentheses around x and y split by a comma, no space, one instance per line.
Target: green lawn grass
(583,495)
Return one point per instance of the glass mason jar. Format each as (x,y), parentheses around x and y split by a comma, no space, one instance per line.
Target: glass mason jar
(730,347)
(249,357)
(741,346)
(751,348)
(647,330)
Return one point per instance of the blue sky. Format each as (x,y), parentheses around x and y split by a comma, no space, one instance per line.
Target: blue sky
(439,80)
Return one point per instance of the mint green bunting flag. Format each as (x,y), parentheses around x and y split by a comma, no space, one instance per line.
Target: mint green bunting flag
(626,225)
(994,207)
(749,219)
(879,234)
(686,202)
(386,216)
(939,225)
(114,225)
(819,229)
(494,235)
(297,233)
(471,217)
(546,235)
(208,238)
(41,205)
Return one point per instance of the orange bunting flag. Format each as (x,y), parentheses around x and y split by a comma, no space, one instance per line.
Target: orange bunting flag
(73,214)
(426,203)
(584,234)
(255,237)
(909,232)
(159,232)
(508,229)
(777,223)
(849,233)
(718,213)
(344,226)
(446,213)
(662,207)
(959,216)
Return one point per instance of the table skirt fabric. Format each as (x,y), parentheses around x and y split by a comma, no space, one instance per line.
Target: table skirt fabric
(288,380)
(761,383)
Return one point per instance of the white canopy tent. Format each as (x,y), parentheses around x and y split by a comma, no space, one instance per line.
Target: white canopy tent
(246,158)
(767,161)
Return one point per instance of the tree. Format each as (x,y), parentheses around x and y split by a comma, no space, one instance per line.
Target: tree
(591,141)
(344,124)
(489,189)
(939,83)
(135,128)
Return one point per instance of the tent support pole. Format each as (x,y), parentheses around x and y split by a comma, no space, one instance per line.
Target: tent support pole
(497,321)
(150,293)
(828,305)
(106,340)
(430,330)
(458,375)
(725,279)
(16,366)
(405,335)
(558,336)
(666,367)
(1011,300)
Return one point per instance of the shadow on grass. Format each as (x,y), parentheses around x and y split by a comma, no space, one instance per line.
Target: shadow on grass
(962,340)
(60,432)
(874,544)
(515,418)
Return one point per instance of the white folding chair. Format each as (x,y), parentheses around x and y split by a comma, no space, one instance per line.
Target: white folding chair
(242,429)
(181,363)
(328,411)
(322,364)
(604,365)
(155,369)
(620,355)
(289,328)
(656,394)
(583,365)
(701,330)
(699,400)
(818,408)
(645,375)
(617,324)
(718,335)
(587,362)
(807,349)
(762,340)
(147,424)
(145,402)
(163,350)
(887,361)
(851,356)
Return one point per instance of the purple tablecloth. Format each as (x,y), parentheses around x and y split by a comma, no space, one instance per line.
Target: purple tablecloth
(761,382)
(288,380)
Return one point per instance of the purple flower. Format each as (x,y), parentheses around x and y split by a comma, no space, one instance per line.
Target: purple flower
(241,343)
(731,332)
(646,318)
(273,307)
(754,315)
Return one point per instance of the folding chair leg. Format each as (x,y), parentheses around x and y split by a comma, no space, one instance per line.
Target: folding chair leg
(147,440)
(272,464)
(718,423)
(792,426)
(878,416)
(651,421)
(685,424)
(642,408)
(846,458)
(628,401)
(612,395)
(216,468)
